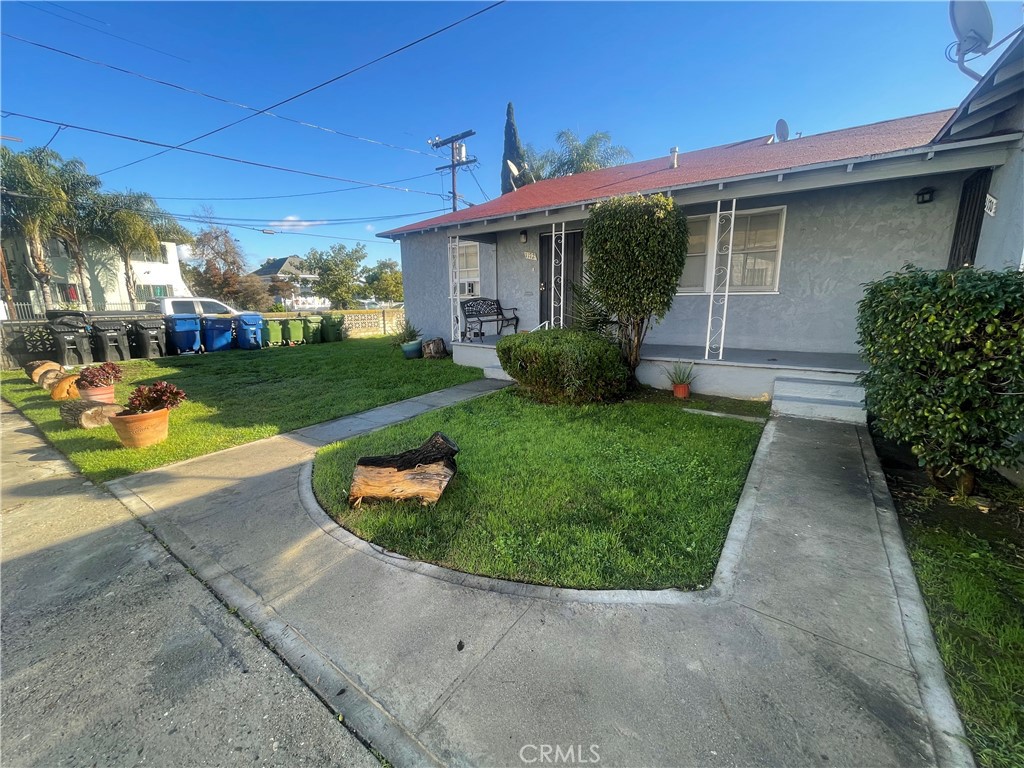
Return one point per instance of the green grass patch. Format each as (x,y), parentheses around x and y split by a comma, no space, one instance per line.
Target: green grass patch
(974,590)
(239,396)
(627,495)
(757,408)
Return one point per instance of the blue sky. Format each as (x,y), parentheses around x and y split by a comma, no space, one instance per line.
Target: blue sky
(654,75)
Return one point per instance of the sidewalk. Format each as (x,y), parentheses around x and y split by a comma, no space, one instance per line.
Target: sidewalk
(811,647)
(112,654)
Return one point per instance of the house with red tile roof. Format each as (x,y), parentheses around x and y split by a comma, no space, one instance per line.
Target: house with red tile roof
(783,236)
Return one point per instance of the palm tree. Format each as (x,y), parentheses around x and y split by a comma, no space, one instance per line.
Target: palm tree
(132,222)
(32,199)
(594,152)
(77,223)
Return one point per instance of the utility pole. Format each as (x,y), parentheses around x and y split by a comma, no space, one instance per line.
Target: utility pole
(459,158)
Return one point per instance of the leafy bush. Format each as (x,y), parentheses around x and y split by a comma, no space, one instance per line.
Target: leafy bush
(278,307)
(946,357)
(104,375)
(564,366)
(405,333)
(153,397)
(636,248)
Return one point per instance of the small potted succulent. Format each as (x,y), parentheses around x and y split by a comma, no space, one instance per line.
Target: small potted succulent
(145,422)
(409,339)
(681,377)
(96,382)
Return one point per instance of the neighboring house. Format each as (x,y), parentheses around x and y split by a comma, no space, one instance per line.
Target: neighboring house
(288,269)
(815,218)
(156,277)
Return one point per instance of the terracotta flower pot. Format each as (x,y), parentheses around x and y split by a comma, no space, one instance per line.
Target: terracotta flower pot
(97,394)
(681,391)
(138,430)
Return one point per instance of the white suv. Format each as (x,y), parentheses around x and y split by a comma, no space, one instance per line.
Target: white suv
(195,305)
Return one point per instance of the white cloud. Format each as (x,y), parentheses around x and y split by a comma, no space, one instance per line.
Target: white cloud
(294,224)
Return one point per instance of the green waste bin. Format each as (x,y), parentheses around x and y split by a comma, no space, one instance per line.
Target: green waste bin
(311,329)
(273,333)
(292,330)
(333,328)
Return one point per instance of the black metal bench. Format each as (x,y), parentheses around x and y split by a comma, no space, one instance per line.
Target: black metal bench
(479,311)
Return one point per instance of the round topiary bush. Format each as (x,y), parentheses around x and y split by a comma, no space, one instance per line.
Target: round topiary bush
(946,357)
(564,366)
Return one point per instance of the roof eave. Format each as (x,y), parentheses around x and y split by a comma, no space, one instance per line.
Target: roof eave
(919,150)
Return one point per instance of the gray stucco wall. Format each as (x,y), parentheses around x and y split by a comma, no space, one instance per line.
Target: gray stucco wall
(1001,244)
(426,285)
(834,241)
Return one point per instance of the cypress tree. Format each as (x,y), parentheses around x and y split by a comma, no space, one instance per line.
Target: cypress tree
(513,151)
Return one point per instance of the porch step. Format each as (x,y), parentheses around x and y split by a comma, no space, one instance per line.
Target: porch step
(496,372)
(825,399)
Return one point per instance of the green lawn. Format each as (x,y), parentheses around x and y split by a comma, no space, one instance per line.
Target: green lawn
(974,590)
(239,396)
(628,495)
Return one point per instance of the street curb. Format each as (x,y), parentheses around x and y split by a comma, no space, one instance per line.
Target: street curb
(363,715)
(719,590)
(947,731)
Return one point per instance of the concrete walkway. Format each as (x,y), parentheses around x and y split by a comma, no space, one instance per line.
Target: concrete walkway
(811,647)
(112,654)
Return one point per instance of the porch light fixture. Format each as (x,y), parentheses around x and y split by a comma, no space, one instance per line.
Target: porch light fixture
(925,195)
(522,236)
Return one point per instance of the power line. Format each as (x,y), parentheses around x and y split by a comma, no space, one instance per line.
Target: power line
(220,157)
(104,32)
(308,91)
(84,16)
(478,185)
(210,96)
(298,194)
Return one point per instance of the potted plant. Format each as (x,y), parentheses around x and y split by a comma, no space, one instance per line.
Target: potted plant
(96,382)
(409,338)
(681,377)
(144,423)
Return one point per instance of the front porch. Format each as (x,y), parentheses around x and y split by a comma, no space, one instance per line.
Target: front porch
(741,373)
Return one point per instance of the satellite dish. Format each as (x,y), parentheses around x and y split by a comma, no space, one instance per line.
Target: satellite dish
(512,168)
(972,25)
(782,130)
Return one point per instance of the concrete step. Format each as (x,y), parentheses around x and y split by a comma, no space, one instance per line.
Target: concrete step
(825,399)
(820,389)
(496,372)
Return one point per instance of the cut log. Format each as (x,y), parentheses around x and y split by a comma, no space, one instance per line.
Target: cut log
(37,368)
(86,414)
(422,473)
(66,388)
(49,378)
(434,348)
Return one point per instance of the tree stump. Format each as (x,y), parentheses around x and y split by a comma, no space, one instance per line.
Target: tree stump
(422,473)
(86,414)
(66,388)
(49,378)
(434,348)
(37,368)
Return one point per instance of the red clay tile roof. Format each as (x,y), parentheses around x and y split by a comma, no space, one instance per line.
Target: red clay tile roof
(704,165)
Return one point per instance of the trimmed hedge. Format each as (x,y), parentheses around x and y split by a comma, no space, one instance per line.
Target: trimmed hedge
(946,356)
(565,366)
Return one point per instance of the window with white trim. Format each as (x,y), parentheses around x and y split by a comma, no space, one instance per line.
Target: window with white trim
(469,270)
(756,250)
(696,265)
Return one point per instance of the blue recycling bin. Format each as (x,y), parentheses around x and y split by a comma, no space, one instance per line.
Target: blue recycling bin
(217,333)
(249,330)
(183,334)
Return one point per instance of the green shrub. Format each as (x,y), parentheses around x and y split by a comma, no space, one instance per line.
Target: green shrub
(946,357)
(564,366)
(636,248)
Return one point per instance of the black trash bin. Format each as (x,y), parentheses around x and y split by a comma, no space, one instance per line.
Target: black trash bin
(71,335)
(149,338)
(110,340)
